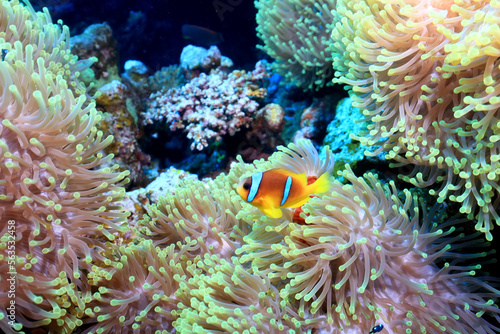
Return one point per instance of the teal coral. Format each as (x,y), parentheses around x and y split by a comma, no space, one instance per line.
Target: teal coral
(345,149)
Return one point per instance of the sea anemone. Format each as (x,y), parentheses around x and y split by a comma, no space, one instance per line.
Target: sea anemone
(44,298)
(296,34)
(196,215)
(223,297)
(365,254)
(423,73)
(134,289)
(51,181)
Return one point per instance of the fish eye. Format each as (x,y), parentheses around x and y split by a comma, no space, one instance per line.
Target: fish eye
(246,186)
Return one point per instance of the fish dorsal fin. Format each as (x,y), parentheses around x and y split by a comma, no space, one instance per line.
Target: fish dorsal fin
(302,178)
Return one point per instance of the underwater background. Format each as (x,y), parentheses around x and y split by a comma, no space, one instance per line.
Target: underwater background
(142,146)
(151,31)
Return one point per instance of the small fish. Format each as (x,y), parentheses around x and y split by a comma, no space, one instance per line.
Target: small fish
(278,188)
(4,53)
(376,329)
(200,35)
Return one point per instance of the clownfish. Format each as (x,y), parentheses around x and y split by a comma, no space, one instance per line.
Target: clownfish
(278,188)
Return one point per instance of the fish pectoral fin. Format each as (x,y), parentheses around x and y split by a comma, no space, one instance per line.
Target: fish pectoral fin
(299,203)
(272,212)
(265,204)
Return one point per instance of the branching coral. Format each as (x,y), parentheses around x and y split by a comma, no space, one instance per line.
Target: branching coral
(51,183)
(209,106)
(364,254)
(425,74)
(296,34)
(166,78)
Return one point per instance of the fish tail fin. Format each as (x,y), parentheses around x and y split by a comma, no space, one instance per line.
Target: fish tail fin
(322,184)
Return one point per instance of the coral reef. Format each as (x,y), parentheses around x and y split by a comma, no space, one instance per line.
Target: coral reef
(114,101)
(136,73)
(195,60)
(98,41)
(314,118)
(136,78)
(265,133)
(193,257)
(272,117)
(296,33)
(209,106)
(423,74)
(118,98)
(347,150)
(166,78)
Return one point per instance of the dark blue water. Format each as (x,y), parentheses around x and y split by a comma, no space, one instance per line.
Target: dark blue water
(150,30)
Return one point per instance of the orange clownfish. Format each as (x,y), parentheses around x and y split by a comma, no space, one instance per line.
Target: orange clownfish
(278,188)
